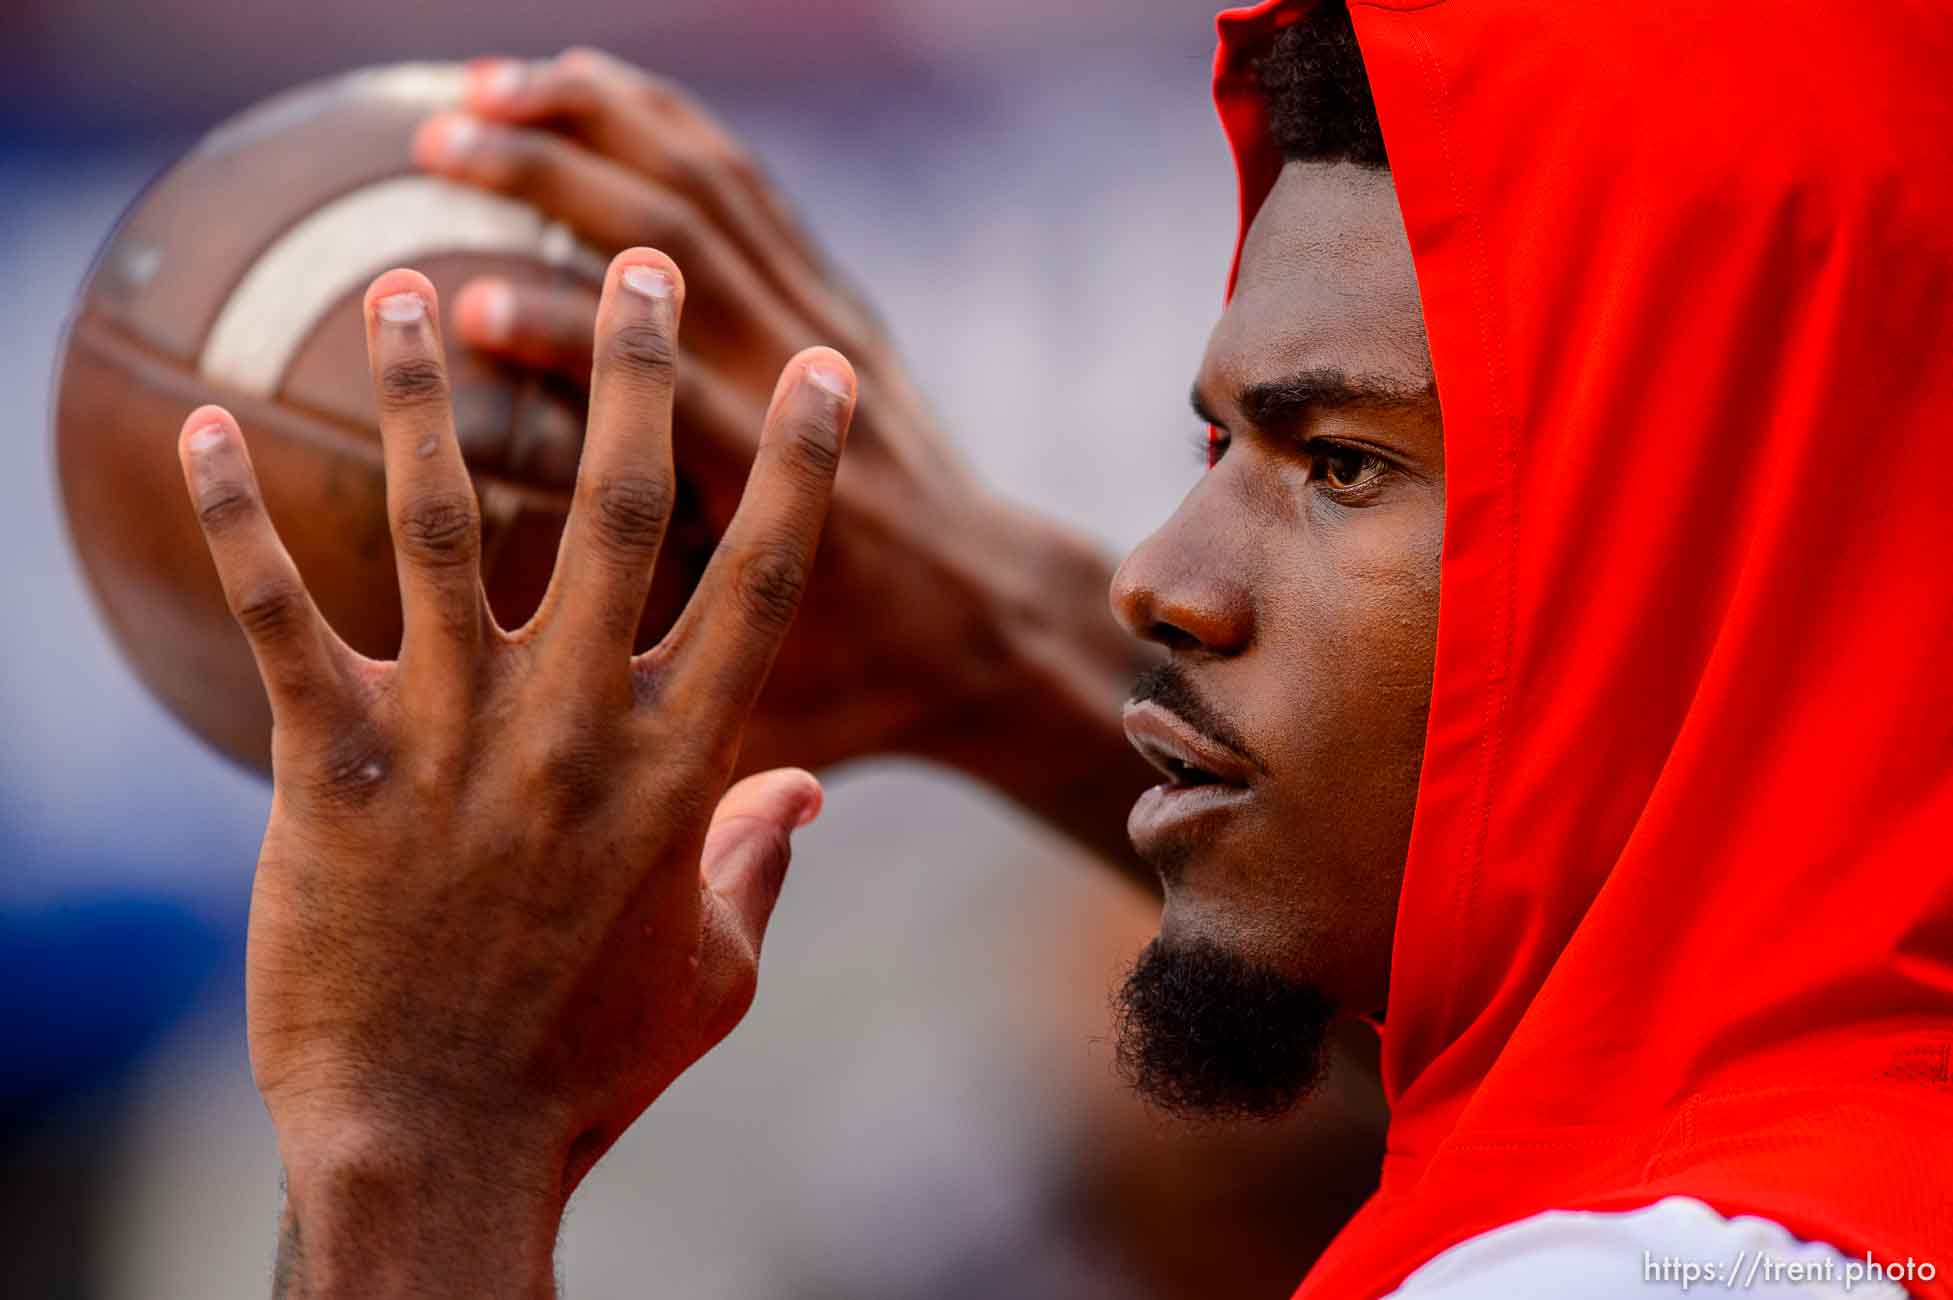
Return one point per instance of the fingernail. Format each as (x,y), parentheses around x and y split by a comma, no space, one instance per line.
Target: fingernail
(497,306)
(832,380)
(458,135)
(208,438)
(650,281)
(810,808)
(401,308)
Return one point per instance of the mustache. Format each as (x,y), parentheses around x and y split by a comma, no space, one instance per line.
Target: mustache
(1167,686)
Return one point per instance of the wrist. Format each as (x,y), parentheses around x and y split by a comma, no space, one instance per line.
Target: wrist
(1049,647)
(1034,709)
(381,1209)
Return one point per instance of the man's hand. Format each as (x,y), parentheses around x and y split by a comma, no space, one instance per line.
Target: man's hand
(941,622)
(505,897)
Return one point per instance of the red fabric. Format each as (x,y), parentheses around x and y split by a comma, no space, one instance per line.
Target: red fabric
(1678,910)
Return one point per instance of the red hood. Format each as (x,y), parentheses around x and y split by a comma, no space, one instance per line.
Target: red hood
(1678,911)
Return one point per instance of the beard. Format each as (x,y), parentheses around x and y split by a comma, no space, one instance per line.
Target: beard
(1205,1034)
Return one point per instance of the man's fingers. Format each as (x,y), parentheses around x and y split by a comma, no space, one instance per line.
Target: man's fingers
(607,203)
(298,655)
(516,90)
(715,425)
(571,141)
(749,844)
(654,127)
(615,207)
(543,328)
(431,504)
(625,486)
(622,112)
(718,655)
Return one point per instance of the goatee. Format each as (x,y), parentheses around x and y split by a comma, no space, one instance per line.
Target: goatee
(1206,1034)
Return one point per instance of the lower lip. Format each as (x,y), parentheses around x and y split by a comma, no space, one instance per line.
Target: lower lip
(1171,815)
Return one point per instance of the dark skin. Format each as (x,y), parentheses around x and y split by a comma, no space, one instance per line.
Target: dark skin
(992,637)
(506,895)
(991,629)
(1296,588)
(510,888)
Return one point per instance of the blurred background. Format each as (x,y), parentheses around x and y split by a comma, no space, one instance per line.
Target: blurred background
(921,1105)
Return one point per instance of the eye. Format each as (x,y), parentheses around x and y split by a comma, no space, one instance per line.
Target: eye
(1343,468)
(1209,445)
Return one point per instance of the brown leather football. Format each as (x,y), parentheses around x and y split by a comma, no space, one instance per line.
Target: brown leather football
(237,278)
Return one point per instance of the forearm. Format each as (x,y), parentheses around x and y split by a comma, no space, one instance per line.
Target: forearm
(1039,720)
(389,1220)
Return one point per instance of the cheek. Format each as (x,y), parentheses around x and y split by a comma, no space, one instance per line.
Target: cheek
(1390,568)
(1349,623)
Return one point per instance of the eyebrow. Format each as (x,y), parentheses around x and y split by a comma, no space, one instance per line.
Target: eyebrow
(1278,402)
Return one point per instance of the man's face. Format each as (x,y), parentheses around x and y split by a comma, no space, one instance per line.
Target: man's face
(1296,588)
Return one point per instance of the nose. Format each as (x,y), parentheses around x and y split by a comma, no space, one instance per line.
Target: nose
(1183,587)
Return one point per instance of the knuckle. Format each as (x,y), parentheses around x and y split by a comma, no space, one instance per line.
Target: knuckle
(686,169)
(645,350)
(573,775)
(703,161)
(270,610)
(729,158)
(413,381)
(573,80)
(770,582)
(631,512)
(671,223)
(221,505)
(603,93)
(587,63)
(440,529)
(528,162)
(814,451)
(353,767)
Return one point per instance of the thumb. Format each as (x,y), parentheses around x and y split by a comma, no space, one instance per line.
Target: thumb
(747,845)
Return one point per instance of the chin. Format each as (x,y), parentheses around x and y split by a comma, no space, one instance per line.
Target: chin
(1205,1031)
(1317,913)
(1214,903)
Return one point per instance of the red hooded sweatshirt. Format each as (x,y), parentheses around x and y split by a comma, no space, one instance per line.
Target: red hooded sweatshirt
(1678,911)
